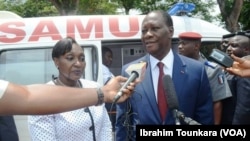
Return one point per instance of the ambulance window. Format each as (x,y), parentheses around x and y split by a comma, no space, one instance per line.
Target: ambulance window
(208,46)
(29,66)
(91,57)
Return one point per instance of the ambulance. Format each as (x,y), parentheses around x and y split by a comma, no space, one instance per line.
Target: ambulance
(26,45)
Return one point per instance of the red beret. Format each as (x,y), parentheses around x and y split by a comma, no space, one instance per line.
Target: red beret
(190,35)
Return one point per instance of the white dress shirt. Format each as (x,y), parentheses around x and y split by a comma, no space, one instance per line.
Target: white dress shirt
(73,125)
(107,74)
(168,62)
(3,87)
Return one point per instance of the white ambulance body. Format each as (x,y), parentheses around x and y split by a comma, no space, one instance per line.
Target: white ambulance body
(25,45)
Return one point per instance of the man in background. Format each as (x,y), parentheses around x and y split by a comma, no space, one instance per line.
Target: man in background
(225,41)
(189,45)
(239,45)
(107,57)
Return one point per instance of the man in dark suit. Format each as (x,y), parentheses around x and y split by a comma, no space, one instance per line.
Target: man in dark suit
(237,108)
(188,75)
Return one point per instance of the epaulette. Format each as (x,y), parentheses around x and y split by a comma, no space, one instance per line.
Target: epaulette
(211,64)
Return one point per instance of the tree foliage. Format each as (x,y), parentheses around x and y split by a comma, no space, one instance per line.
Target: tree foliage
(146,6)
(84,7)
(66,7)
(36,8)
(202,9)
(128,4)
(244,15)
(31,8)
(230,12)
(96,7)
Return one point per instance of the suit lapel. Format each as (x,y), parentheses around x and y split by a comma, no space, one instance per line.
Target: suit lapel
(148,88)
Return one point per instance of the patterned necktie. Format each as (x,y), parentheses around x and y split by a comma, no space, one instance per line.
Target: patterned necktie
(162,101)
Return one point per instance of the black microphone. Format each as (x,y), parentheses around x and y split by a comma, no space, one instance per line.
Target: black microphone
(186,120)
(131,78)
(173,102)
(171,96)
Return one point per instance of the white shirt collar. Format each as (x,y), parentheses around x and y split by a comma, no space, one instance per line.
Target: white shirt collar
(168,62)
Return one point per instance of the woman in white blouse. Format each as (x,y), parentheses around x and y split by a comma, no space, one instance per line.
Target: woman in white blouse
(90,123)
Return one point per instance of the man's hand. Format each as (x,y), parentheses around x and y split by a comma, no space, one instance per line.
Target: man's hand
(241,67)
(113,86)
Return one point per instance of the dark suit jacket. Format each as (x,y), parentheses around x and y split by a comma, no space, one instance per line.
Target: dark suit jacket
(229,104)
(242,93)
(192,89)
(8,131)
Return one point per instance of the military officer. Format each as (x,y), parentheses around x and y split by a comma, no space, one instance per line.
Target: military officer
(189,45)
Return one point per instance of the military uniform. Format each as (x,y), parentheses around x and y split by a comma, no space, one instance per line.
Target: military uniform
(217,79)
(190,44)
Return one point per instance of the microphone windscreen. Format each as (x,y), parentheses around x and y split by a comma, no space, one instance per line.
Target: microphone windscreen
(140,68)
(170,93)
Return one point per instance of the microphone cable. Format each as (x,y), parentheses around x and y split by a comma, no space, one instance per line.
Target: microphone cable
(127,122)
(87,110)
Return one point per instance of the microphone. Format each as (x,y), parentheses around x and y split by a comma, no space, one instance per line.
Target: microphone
(135,71)
(171,96)
(186,120)
(173,102)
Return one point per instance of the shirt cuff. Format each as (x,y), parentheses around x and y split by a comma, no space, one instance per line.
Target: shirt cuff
(3,87)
